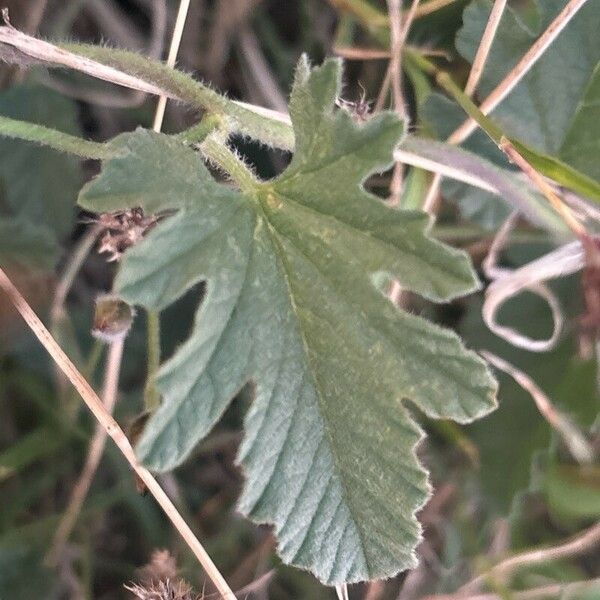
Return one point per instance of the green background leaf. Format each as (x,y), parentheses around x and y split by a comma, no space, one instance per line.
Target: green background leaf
(539,111)
(38,184)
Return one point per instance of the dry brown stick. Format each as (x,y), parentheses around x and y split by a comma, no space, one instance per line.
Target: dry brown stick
(561,208)
(114,431)
(96,449)
(481,56)
(395,78)
(432,6)
(45,52)
(576,545)
(184,6)
(574,440)
(517,73)
(554,590)
(360,53)
(485,46)
(399,32)
(57,308)
(504,88)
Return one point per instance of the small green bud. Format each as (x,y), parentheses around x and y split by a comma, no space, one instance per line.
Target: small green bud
(112,319)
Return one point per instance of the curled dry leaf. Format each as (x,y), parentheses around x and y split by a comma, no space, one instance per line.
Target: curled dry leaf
(508,283)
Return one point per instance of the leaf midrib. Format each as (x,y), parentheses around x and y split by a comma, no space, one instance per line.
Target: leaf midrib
(273,235)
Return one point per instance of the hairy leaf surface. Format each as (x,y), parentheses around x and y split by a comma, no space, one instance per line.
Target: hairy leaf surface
(291,307)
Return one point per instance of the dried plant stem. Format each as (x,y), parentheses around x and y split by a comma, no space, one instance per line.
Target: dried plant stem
(432,6)
(504,88)
(520,70)
(182,13)
(96,449)
(485,46)
(561,208)
(399,30)
(574,440)
(554,590)
(575,546)
(151,393)
(114,431)
(395,78)
(430,203)
(57,309)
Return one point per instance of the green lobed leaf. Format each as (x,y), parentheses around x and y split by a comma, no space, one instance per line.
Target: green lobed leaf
(24,245)
(582,141)
(540,110)
(291,307)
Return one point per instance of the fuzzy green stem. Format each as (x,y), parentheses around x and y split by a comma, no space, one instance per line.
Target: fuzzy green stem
(151,393)
(197,133)
(217,152)
(257,124)
(57,140)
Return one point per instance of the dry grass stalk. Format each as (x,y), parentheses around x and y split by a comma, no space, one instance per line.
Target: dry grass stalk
(114,431)
(512,79)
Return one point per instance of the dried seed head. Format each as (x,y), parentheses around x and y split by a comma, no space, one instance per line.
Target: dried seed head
(163,590)
(112,319)
(122,230)
(359,110)
(159,581)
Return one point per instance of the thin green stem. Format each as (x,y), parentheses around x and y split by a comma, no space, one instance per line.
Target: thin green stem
(197,133)
(445,81)
(217,152)
(58,140)
(547,165)
(151,393)
(259,124)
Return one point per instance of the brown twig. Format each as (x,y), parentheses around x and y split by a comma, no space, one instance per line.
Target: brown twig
(72,267)
(574,440)
(485,46)
(184,6)
(432,6)
(96,449)
(399,32)
(517,73)
(504,88)
(114,431)
(576,545)
(481,56)
(554,590)
(561,208)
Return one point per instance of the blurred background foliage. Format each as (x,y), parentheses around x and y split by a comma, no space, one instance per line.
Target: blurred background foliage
(500,485)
